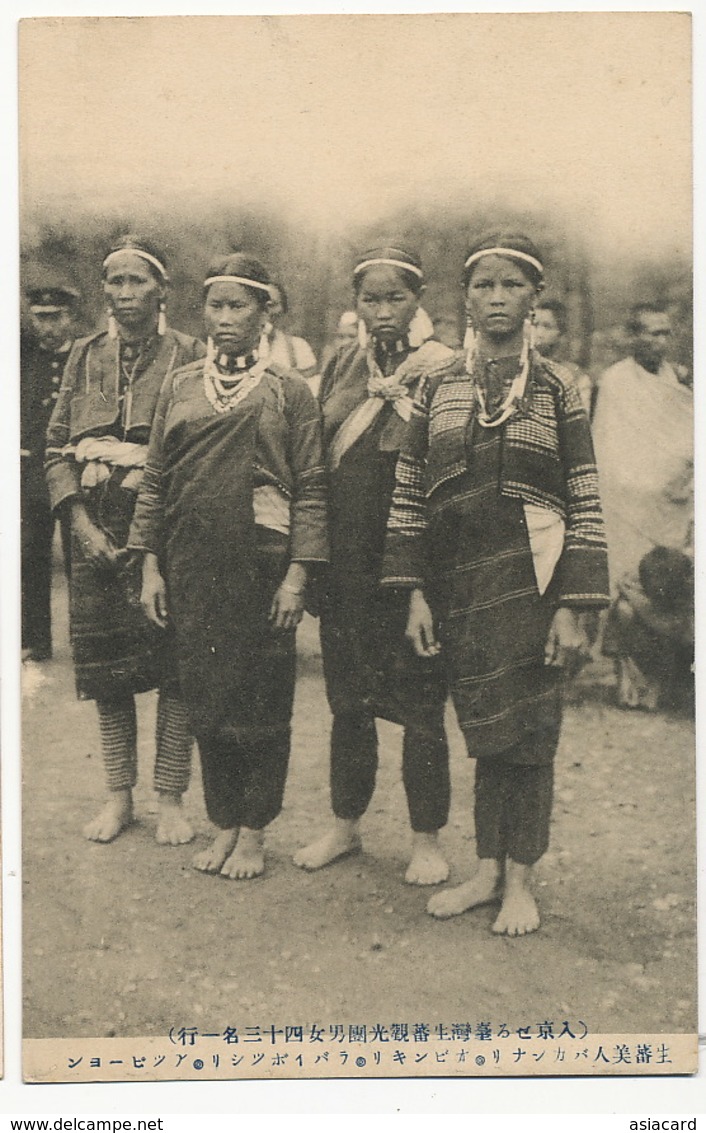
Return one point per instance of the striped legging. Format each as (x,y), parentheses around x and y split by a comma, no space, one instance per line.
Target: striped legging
(118,731)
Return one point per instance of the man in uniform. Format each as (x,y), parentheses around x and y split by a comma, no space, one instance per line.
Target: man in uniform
(44,348)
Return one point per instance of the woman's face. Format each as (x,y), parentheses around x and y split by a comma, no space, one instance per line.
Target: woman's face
(385,303)
(132,290)
(233,317)
(499,297)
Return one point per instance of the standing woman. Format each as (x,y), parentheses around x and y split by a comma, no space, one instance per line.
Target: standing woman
(231,515)
(366,395)
(95,456)
(496,529)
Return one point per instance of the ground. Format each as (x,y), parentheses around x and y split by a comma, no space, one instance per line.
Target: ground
(127,939)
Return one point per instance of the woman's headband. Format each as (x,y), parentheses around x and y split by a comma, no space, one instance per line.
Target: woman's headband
(143,256)
(237,279)
(390,263)
(511,252)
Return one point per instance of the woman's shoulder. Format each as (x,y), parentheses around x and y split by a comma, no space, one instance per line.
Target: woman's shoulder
(188,343)
(558,375)
(288,384)
(184,374)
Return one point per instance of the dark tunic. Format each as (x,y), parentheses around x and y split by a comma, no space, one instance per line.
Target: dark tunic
(116,650)
(368,662)
(195,511)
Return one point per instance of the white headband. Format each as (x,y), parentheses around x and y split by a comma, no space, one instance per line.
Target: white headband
(143,256)
(391,263)
(505,252)
(237,279)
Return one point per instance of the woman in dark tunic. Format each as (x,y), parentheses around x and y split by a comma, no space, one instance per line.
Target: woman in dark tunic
(230,516)
(496,529)
(370,670)
(95,455)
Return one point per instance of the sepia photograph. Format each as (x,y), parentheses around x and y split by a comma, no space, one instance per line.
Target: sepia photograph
(357,546)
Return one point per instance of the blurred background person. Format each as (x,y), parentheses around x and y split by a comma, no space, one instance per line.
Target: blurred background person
(52,303)
(95,457)
(643,424)
(550,327)
(345,333)
(287,350)
(643,431)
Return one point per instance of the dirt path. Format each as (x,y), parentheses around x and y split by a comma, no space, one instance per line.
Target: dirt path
(128,939)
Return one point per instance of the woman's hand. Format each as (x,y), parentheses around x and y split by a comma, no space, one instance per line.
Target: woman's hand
(154,593)
(95,545)
(568,643)
(288,603)
(420,626)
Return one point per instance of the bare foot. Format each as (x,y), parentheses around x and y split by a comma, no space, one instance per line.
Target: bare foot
(114,817)
(247,860)
(480,890)
(343,839)
(518,913)
(428,865)
(213,859)
(173,827)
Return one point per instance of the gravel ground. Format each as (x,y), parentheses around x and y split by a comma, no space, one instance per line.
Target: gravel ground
(128,939)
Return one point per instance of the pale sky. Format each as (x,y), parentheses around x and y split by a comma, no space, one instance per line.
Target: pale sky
(340,118)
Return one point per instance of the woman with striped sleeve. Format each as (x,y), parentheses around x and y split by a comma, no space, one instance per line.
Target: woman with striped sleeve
(95,457)
(496,531)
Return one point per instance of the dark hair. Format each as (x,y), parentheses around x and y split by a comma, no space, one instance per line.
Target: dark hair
(129,242)
(247,267)
(513,241)
(411,279)
(667,576)
(559,311)
(633,322)
(284,299)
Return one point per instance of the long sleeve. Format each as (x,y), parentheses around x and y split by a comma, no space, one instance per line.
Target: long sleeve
(62,475)
(146,529)
(405,559)
(309,519)
(583,568)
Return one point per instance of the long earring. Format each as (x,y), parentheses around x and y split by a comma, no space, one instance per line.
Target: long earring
(210,351)
(469,344)
(362,335)
(264,348)
(162,320)
(528,331)
(112,325)
(420,329)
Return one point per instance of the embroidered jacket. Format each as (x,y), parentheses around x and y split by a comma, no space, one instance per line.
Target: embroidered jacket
(287,456)
(89,401)
(547,460)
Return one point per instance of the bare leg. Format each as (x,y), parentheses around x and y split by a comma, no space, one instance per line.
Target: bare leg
(213,859)
(428,866)
(342,839)
(112,819)
(173,827)
(247,860)
(518,913)
(482,889)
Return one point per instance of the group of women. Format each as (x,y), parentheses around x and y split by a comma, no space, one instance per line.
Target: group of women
(438,511)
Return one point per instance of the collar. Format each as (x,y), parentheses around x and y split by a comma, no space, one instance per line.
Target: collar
(229,364)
